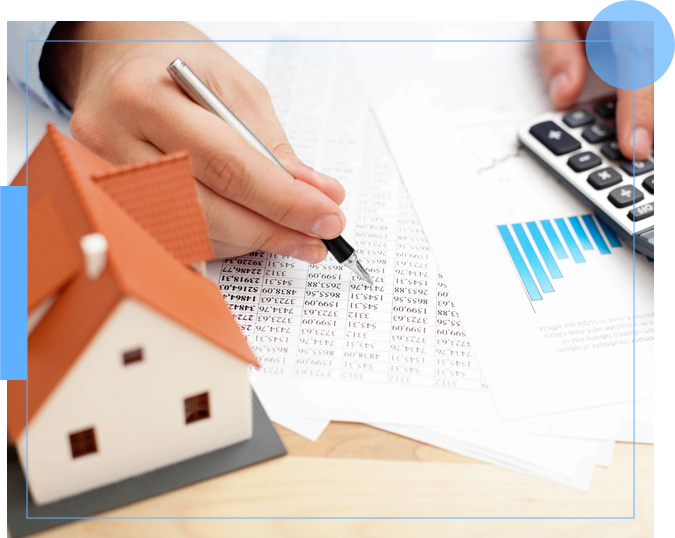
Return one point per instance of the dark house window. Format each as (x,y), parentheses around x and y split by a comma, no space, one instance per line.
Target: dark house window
(133,355)
(83,443)
(197,408)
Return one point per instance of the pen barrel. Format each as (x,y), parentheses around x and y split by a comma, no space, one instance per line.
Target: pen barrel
(201,94)
(339,248)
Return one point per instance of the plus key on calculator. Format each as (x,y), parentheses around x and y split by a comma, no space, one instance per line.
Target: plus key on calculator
(579,147)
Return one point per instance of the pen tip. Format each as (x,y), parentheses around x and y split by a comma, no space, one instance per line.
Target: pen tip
(362,273)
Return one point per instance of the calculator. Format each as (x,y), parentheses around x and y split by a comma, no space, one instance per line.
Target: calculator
(579,147)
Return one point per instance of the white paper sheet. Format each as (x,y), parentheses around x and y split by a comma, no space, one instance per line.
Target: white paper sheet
(568,462)
(611,422)
(570,350)
(608,423)
(605,453)
(332,347)
(644,423)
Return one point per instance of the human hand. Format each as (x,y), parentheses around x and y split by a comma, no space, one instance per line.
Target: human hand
(565,66)
(126,108)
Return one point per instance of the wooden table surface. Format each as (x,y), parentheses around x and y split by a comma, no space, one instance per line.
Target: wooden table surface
(355,470)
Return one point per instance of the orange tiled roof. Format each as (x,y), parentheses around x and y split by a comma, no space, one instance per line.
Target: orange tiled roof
(16,407)
(161,195)
(53,258)
(138,266)
(20,179)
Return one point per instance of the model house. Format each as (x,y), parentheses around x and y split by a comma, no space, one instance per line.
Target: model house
(134,360)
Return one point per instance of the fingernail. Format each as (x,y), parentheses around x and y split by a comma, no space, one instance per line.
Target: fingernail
(328,227)
(308,253)
(643,141)
(557,84)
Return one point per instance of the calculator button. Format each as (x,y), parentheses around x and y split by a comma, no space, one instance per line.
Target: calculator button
(598,133)
(641,167)
(648,235)
(606,110)
(612,151)
(660,184)
(584,161)
(655,208)
(623,196)
(577,118)
(554,138)
(606,177)
(642,212)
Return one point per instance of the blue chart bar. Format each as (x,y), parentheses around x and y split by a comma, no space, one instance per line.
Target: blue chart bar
(569,240)
(538,269)
(553,269)
(553,238)
(533,256)
(609,233)
(518,261)
(596,235)
(581,234)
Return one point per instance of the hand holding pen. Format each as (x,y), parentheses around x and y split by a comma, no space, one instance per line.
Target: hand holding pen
(126,108)
(200,93)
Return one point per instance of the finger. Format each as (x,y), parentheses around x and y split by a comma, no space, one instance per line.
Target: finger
(224,162)
(234,230)
(563,64)
(337,192)
(250,101)
(222,250)
(130,150)
(583,27)
(329,186)
(237,230)
(644,122)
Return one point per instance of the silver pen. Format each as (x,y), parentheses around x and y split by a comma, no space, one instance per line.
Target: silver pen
(200,93)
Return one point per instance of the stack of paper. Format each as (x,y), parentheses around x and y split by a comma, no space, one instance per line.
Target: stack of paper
(396,355)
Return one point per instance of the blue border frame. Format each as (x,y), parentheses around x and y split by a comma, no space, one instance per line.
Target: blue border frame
(13,205)
(358,41)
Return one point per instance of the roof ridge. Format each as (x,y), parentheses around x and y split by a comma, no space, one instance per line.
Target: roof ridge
(142,188)
(138,223)
(54,134)
(118,274)
(162,159)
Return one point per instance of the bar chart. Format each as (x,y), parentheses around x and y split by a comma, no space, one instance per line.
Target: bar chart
(540,249)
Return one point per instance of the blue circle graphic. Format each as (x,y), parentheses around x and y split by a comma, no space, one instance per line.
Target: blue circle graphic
(622,52)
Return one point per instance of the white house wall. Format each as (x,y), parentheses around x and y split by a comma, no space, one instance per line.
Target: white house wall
(137,411)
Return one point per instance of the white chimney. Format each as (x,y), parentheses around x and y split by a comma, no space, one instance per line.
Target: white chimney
(95,249)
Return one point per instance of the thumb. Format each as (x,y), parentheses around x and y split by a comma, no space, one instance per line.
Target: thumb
(564,64)
(644,122)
